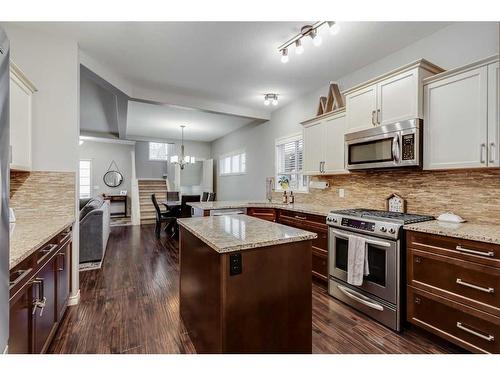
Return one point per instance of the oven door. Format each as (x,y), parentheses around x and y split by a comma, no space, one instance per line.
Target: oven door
(378,151)
(383,261)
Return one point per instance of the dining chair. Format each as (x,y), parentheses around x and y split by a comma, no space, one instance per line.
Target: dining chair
(211,197)
(185,209)
(204,196)
(162,217)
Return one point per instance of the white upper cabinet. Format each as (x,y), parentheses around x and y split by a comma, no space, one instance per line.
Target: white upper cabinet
(335,129)
(461,117)
(361,106)
(324,144)
(395,96)
(21,92)
(493,115)
(314,139)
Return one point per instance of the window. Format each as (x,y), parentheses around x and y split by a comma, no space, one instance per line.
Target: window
(289,161)
(158,151)
(232,163)
(85,178)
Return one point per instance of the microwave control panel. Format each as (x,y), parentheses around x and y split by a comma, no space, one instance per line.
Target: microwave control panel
(408,146)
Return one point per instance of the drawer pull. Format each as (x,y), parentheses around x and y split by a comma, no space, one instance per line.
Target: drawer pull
(21,275)
(482,289)
(489,338)
(475,252)
(300,217)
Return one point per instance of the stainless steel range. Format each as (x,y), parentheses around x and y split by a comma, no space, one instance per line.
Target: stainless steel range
(381,293)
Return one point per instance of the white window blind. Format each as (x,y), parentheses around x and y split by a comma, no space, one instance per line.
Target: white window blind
(232,163)
(85,178)
(158,151)
(289,164)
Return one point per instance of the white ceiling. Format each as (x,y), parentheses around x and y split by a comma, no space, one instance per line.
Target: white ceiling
(234,63)
(152,121)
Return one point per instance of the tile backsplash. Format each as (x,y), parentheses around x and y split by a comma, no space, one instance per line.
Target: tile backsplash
(472,194)
(42,194)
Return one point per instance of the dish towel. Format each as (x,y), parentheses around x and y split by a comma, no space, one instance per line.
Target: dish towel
(357,260)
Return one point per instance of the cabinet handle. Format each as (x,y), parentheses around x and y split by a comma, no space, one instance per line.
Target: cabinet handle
(300,217)
(378,116)
(472,332)
(41,301)
(464,283)
(322,167)
(475,252)
(483,149)
(63,255)
(22,274)
(492,154)
(373,118)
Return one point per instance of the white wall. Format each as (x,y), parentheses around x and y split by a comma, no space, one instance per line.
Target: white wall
(450,47)
(102,154)
(51,61)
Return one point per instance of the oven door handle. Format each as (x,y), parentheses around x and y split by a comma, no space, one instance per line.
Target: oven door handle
(360,298)
(369,242)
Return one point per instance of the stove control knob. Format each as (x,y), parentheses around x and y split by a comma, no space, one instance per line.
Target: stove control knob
(383,229)
(392,231)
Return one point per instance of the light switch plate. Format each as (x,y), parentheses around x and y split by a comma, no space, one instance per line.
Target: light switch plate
(341,193)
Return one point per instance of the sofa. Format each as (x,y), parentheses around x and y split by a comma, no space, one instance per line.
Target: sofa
(94,229)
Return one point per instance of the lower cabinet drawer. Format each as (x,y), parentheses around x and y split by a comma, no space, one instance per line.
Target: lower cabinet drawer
(470,283)
(320,265)
(467,327)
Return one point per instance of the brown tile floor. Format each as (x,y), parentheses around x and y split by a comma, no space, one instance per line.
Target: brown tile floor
(131,305)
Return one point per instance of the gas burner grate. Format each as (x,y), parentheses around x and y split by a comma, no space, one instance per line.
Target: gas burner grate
(396,216)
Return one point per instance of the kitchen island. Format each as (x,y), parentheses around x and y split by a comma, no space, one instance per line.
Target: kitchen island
(245,285)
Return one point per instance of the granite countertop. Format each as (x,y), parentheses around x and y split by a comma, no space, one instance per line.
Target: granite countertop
(27,235)
(469,231)
(229,233)
(307,208)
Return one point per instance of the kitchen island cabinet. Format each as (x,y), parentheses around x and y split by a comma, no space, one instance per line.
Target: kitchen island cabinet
(245,285)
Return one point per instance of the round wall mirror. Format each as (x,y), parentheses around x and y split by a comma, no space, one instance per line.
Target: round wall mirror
(113,179)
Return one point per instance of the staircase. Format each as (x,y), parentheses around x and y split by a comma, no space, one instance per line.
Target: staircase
(146,188)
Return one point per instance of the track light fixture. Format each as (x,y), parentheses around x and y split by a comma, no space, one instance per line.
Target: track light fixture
(271,99)
(311,31)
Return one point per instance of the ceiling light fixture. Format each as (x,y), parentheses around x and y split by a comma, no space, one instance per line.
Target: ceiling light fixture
(182,159)
(299,48)
(334,27)
(311,31)
(284,55)
(271,99)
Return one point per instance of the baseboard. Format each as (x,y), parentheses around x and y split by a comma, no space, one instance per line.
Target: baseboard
(6,350)
(74,300)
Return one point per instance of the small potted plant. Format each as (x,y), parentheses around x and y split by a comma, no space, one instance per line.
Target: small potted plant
(284,182)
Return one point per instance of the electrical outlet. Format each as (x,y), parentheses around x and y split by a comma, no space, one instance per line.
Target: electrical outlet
(341,193)
(235,264)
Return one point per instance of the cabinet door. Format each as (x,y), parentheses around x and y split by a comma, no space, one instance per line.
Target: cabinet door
(314,145)
(455,123)
(44,320)
(397,98)
(335,129)
(493,114)
(360,107)
(63,264)
(21,322)
(20,124)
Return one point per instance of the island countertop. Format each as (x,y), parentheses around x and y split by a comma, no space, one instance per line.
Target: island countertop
(27,235)
(308,208)
(228,233)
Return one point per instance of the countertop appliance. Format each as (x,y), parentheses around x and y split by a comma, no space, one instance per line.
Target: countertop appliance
(381,295)
(385,146)
(4,190)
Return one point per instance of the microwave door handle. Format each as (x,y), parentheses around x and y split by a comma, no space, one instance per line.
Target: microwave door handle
(395,148)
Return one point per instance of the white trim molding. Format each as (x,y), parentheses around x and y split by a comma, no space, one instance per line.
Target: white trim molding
(74,300)
(106,140)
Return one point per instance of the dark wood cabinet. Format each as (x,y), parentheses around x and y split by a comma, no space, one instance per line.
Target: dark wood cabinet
(21,321)
(269,214)
(453,289)
(39,292)
(316,224)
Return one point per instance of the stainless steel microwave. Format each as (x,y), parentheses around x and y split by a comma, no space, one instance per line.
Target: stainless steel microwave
(386,146)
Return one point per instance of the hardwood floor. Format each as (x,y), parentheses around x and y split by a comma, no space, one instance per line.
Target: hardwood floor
(131,305)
